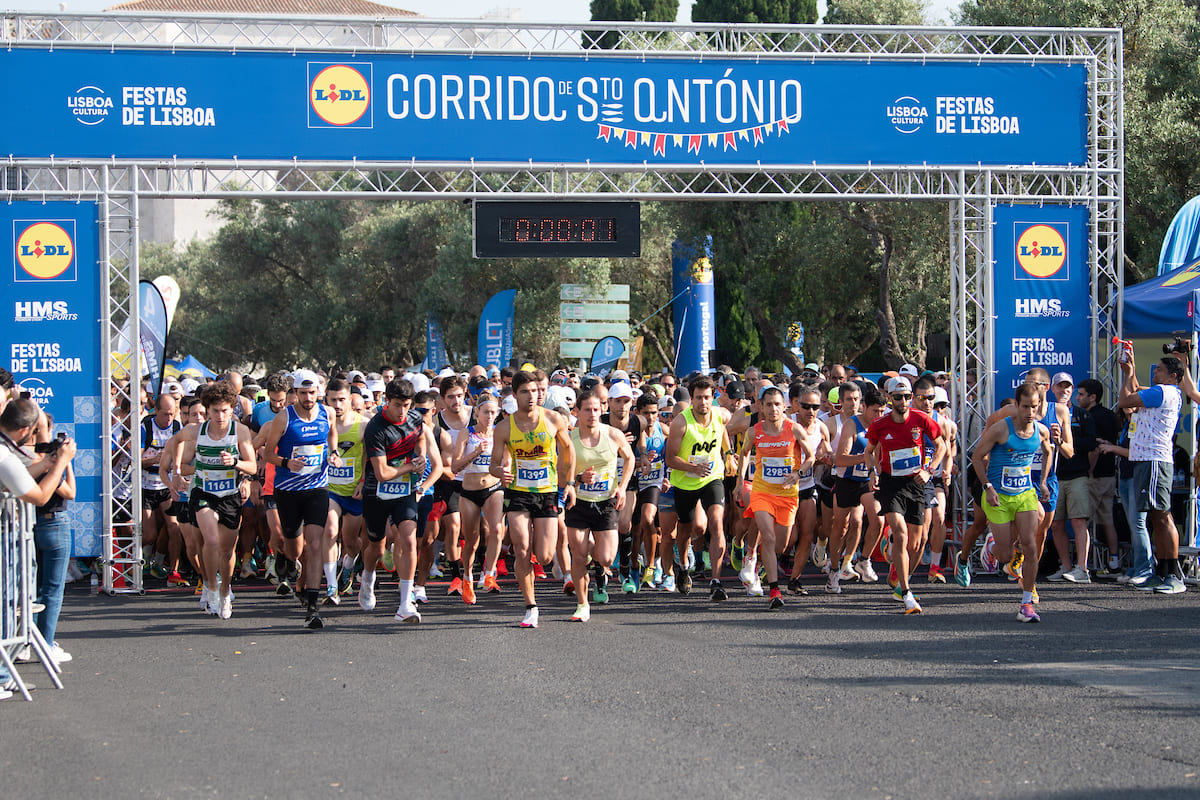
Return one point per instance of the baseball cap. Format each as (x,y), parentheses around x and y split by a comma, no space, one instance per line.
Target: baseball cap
(620,389)
(190,385)
(305,379)
(812,365)
(940,396)
(666,402)
(419,381)
(618,375)
(589,383)
(909,371)
(171,387)
(735,390)
(835,395)
(375,386)
(354,375)
(1062,377)
(899,385)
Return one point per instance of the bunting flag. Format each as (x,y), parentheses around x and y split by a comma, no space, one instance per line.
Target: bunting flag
(694,142)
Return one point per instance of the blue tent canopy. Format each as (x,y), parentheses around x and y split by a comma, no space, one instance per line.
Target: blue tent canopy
(189,365)
(1181,245)
(1163,305)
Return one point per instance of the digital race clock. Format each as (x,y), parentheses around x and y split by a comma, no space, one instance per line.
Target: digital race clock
(557,229)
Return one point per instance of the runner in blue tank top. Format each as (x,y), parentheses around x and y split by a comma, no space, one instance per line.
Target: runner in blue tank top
(1003,462)
(302,444)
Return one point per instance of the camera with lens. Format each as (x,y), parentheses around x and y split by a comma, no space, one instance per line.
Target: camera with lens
(1182,345)
(51,446)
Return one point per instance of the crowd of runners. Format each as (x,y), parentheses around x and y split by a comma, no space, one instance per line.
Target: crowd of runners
(629,483)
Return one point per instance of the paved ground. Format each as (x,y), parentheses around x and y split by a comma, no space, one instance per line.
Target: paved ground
(656,696)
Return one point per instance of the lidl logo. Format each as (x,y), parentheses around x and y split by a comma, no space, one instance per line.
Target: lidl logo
(701,270)
(339,95)
(45,251)
(1192,272)
(1042,252)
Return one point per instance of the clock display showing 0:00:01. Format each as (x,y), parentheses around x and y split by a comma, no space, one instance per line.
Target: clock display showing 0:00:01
(558,229)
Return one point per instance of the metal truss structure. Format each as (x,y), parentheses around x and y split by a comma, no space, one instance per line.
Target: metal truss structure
(970,193)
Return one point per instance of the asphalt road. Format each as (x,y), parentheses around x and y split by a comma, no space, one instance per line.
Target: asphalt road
(657,696)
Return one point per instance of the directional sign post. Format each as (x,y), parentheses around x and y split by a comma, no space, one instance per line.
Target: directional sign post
(589,314)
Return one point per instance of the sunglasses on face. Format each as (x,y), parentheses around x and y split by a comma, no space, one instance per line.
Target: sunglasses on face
(899,396)
(811,406)
(926,397)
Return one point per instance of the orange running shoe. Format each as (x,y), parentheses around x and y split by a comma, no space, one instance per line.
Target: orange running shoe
(490,585)
(538,572)
(456,586)
(468,592)
(501,568)
(893,576)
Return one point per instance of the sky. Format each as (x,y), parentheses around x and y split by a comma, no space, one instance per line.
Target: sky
(530,10)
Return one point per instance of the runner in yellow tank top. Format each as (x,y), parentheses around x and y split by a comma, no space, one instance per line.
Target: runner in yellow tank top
(693,454)
(345,482)
(532,453)
(593,520)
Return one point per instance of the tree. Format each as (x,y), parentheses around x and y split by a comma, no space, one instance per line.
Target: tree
(875,12)
(627,11)
(787,12)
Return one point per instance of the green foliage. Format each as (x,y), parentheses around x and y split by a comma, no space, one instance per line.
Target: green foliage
(627,11)
(875,12)
(790,12)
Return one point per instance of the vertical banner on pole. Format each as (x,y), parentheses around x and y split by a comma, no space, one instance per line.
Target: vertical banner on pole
(49,284)
(435,344)
(152,333)
(495,341)
(1041,293)
(694,310)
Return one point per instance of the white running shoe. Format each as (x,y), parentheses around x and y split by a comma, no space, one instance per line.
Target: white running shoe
(866,571)
(748,574)
(819,556)
(408,613)
(366,595)
(531,618)
(225,607)
(755,589)
(583,612)
(847,574)
(419,595)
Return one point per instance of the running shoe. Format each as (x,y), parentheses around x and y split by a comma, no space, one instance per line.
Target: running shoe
(205,601)
(707,561)
(468,593)
(419,595)
(737,555)
(685,582)
(175,579)
(283,589)
(776,600)
(962,570)
(629,585)
(668,584)
(819,556)
(893,576)
(1151,584)
(366,595)
(531,618)
(346,580)
(794,587)
(269,570)
(313,621)
(717,592)
(248,567)
(847,574)
(199,586)
(456,586)
(568,587)
(583,612)
(936,575)
(746,573)
(225,607)
(1037,598)
(911,604)
(832,586)
(1026,613)
(408,614)
(987,557)
(538,572)
(689,559)
(755,589)
(1013,568)
(490,585)
(865,571)
(898,594)
(1172,585)
(389,564)
(332,598)
(1077,575)
(651,577)
(501,568)
(159,571)
(599,595)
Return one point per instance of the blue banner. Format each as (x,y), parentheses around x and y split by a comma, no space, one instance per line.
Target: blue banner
(1041,293)
(496,329)
(52,341)
(152,333)
(606,354)
(546,109)
(435,344)
(694,310)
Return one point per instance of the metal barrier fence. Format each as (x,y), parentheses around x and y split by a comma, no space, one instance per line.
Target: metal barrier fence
(18,587)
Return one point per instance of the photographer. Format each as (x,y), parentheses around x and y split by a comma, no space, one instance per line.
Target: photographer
(28,477)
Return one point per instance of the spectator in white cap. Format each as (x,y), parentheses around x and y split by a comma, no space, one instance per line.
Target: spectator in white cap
(909,371)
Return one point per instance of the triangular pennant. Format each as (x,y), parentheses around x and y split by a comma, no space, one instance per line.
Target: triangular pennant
(660,144)
(645,137)
(631,139)
(712,139)
(678,137)
(605,130)
(758,135)
(694,143)
(730,140)
(783,125)
(618,133)
(744,134)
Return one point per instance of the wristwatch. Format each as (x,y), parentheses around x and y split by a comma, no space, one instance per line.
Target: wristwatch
(988,486)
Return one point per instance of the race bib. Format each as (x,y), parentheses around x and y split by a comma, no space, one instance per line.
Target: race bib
(219,482)
(343,475)
(1015,480)
(483,460)
(702,459)
(532,475)
(860,471)
(905,461)
(394,490)
(313,455)
(1038,463)
(776,469)
(654,476)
